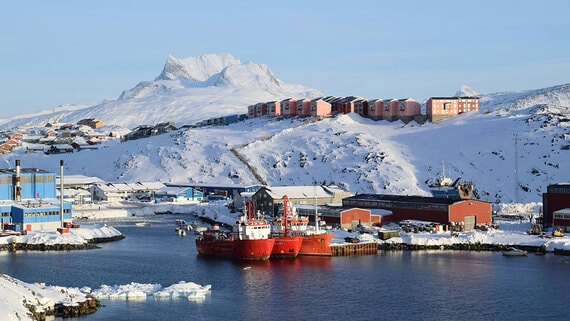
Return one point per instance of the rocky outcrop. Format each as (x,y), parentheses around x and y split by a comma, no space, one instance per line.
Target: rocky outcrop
(59,247)
(91,305)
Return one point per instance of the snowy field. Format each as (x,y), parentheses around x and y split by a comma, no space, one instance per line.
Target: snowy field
(76,236)
(511,233)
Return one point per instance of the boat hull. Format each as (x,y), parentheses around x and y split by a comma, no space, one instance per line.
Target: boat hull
(287,247)
(251,250)
(316,244)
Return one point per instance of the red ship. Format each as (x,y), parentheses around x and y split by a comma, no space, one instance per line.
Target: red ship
(315,242)
(250,239)
(287,243)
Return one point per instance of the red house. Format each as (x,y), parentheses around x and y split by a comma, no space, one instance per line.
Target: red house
(303,107)
(16,136)
(288,107)
(273,108)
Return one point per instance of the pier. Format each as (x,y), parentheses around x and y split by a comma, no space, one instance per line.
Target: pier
(356,249)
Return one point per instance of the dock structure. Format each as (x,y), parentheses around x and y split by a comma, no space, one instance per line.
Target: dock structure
(356,249)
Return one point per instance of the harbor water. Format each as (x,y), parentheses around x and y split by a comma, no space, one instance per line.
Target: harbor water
(422,285)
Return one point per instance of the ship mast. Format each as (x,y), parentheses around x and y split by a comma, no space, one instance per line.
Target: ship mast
(316,214)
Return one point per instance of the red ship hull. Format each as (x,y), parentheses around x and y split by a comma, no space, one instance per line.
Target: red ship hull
(252,250)
(316,244)
(287,247)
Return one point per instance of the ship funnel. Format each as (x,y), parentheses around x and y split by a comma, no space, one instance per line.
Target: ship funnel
(17,185)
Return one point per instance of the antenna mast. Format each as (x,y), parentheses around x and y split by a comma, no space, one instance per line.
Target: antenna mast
(516,168)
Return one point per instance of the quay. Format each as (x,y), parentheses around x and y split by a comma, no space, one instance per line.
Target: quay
(356,249)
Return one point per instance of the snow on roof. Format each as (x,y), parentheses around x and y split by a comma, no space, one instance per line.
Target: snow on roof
(562,211)
(171,190)
(79,180)
(380,212)
(278,192)
(73,192)
(129,187)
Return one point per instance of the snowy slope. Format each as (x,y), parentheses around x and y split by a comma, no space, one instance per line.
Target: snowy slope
(348,150)
(187,90)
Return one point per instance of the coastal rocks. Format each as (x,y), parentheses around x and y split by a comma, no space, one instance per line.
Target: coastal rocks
(91,305)
(59,247)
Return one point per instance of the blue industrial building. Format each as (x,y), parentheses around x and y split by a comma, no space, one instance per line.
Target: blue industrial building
(178,194)
(219,191)
(28,200)
(35,184)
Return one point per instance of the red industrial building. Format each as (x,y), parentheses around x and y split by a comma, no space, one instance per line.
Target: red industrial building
(440,210)
(557,197)
(345,217)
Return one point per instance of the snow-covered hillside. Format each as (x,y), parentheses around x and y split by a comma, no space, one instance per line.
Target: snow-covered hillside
(188,90)
(357,153)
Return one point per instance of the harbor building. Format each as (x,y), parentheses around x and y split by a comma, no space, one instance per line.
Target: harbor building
(28,200)
(561,219)
(178,194)
(214,191)
(440,210)
(269,198)
(348,218)
(557,197)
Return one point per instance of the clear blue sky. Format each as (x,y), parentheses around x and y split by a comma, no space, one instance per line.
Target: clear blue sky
(57,52)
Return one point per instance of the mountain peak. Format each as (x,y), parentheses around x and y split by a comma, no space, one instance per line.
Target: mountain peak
(466,91)
(198,68)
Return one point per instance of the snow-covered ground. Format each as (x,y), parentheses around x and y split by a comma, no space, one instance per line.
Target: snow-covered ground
(510,233)
(134,291)
(15,295)
(76,236)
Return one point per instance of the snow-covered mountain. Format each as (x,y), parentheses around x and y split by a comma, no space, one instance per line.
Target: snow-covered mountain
(187,90)
(466,91)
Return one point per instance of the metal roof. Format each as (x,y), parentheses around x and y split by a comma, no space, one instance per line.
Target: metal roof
(408,199)
(12,171)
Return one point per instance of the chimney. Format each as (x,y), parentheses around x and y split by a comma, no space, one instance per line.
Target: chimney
(17,185)
(61,192)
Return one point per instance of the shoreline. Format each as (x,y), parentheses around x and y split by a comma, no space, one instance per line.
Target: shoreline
(89,245)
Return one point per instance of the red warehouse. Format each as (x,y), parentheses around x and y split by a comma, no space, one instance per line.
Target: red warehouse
(557,197)
(432,209)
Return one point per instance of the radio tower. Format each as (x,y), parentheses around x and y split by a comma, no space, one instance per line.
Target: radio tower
(516,168)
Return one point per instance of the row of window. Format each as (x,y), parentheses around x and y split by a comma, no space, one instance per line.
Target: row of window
(5,214)
(562,216)
(50,213)
(27,179)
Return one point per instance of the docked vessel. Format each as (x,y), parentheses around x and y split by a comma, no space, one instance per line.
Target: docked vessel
(315,242)
(445,188)
(287,242)
(250,239)
(511,251)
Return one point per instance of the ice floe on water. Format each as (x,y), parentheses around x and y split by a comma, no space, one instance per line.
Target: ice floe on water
(138,291)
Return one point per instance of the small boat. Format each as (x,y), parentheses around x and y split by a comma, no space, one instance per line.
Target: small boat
(142,224)
(511,251)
